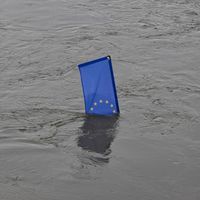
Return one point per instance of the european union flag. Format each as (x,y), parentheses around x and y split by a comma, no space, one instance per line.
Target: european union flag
(99,87)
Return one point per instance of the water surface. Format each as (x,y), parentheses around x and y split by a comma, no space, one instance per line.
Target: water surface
(50,150)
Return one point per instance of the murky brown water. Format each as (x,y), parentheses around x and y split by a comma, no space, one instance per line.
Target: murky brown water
(50,150)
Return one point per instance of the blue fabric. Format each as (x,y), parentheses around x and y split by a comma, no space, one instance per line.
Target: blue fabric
(99,87)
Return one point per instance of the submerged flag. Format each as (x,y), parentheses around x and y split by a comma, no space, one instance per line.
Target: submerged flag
(99,87)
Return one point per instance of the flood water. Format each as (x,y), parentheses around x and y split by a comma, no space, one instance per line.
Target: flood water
(49,149)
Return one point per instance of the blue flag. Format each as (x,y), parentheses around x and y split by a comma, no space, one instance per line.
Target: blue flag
(99,87)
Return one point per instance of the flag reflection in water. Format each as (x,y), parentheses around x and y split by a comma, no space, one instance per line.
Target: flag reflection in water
(97,134)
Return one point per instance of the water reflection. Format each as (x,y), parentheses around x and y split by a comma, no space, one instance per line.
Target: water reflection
(97,134)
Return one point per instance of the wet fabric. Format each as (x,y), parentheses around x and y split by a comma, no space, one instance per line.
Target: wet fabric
(99,87)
